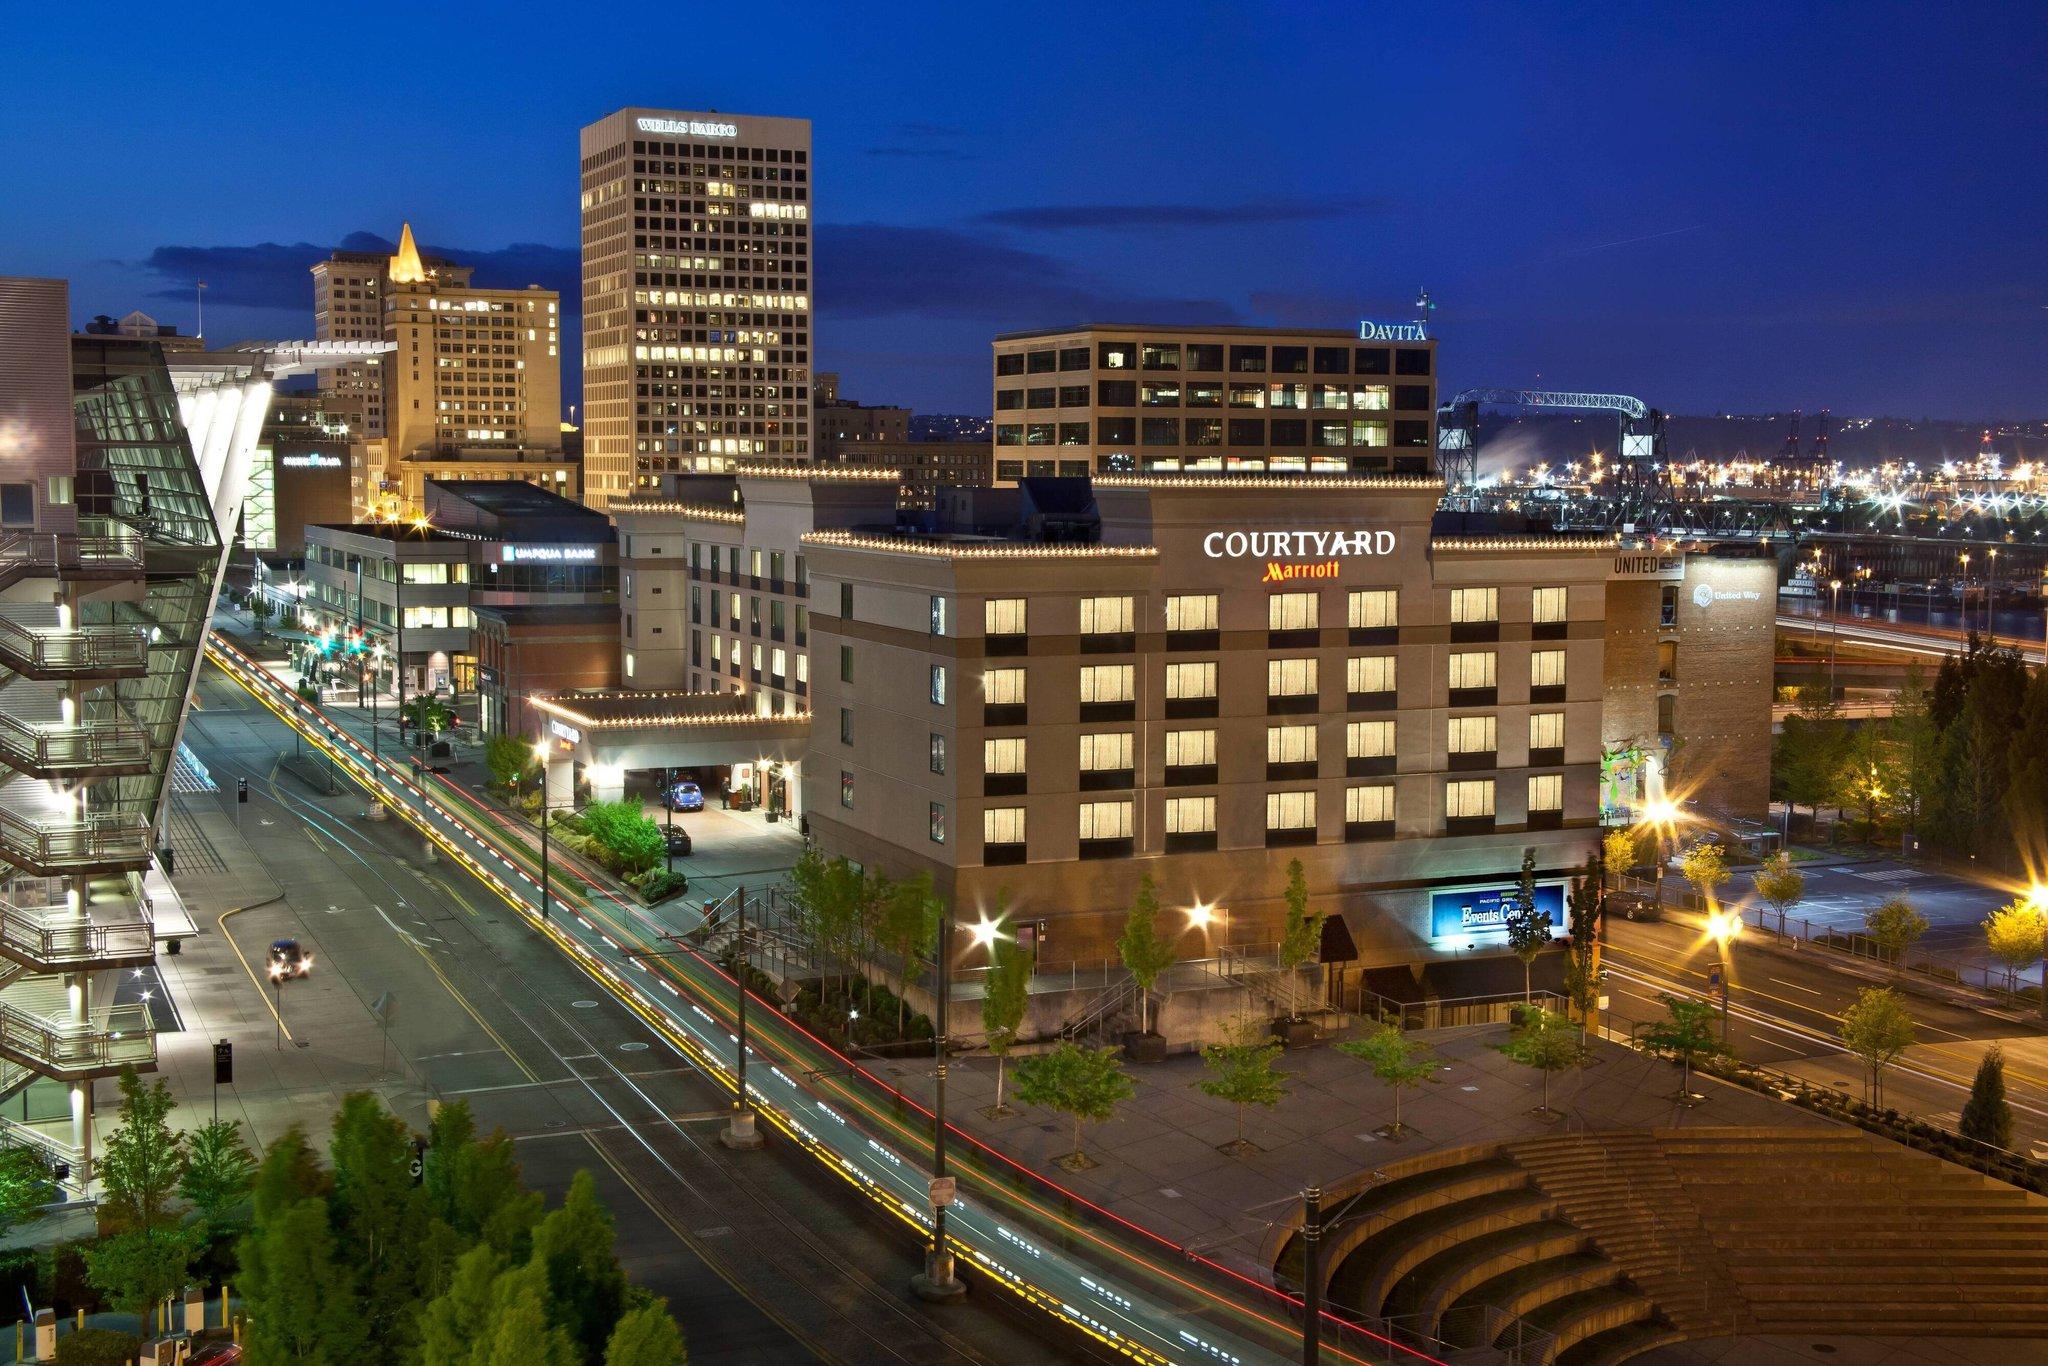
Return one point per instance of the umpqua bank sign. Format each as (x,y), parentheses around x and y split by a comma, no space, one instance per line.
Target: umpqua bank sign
(1291,555)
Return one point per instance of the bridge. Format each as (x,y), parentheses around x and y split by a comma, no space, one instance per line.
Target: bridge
(1931,643)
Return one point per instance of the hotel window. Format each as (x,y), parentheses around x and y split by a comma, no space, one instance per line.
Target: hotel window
(1374,609)
(1369,805)
(1108,752)
(1191,749)
(846,789)
(1191,680)
(1290,677)
(846,725)
(717,650)
(938,685)
(1002,825)
(1291,612)
(1003,616)
(938,823)
(1369,740)
(938,759)
(1105,616)
(1548,605)
(938,616)
(1002,756)
(1471,669)
(757,663)
(1472,735)
(845,663)
(1290,810)
(1106,820)
(1290,744)
(1546,668)
(1468,799)
(1546,731)
(1546,792)
(778,664)
(1191,613)
(803,667)
(1107,683)
(1003,687)
(629,663)
(1190,815)
(1369,674)
(1475,604)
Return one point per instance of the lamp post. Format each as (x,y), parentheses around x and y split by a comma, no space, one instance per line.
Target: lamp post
(1991,601)
(1311,1275)
(1834,630)
(377,686)
(1964,560)
(739,1132)
(1661,813)
(540,755)
(359,624)
(937,1282)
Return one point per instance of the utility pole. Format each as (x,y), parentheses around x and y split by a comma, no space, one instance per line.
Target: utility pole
(740,1133)
(937,1282)
(1311,1276)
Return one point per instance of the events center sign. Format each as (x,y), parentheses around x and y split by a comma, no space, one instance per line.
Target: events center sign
(1289,555)
(1464,912)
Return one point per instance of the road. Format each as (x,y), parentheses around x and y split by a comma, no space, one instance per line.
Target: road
(759,1260)
(1013,1228)
(1785,1012)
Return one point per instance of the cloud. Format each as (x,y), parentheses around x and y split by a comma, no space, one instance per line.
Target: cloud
(925,141)
(876,270)
(1063,217)
(274,275)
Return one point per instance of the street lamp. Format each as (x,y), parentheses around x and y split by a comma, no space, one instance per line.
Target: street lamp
(1834,631)
(1659,815)
(540,758)
(1964,559)
(377,685)
(1991,601)
(739,1133)
(937,1282)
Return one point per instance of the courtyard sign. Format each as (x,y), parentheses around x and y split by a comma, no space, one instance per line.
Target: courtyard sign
(1368,330)
(1273,545)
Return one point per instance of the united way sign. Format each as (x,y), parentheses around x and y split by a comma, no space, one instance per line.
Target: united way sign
(1464,912)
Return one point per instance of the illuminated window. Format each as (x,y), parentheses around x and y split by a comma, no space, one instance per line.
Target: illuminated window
(1003,687)
(1108,683)
(1106,820)
(1548,605)
(1546,792)
(1106,753)
(1290,677)
(1105,616)
(1002,756)
(1546,730)
(1003,616)
(1191,749)
(1374,609)
(1291,612)
(846,789)
(1475,604)
(1546,668)
(1471,669)
(1468,799)
(1369,674)
(1472,734)
(1369,740)
(1191,613)
(938,681)
(1290,810)
(1190,815)
(938,758)
(1369,805)
(1290,744)
(1002,825)
(938,823)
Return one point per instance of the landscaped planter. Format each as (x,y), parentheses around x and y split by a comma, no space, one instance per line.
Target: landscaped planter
(1144,1047)
(1295,1033)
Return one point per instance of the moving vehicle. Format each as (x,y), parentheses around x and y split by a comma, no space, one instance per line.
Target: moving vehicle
(289,959)
(684,796)
(1633,906)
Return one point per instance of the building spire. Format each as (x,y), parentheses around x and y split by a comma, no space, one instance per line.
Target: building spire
(406,267)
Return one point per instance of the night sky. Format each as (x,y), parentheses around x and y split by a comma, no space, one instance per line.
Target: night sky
(1714,206)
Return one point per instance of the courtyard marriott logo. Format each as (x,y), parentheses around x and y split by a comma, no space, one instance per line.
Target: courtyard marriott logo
(1284,552)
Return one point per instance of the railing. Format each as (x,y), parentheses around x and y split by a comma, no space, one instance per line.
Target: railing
(1101,1010)
(76,649)
(85,744)
(51,934)
(114,837)
(1453,1012)
(1925,964)
(26,552)
(121,1038)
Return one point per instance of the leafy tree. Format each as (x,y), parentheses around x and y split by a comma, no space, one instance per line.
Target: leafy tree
(1583,905)
(586,1287)
(1687,1033)
(380,1218)
(1005,995)
(622,830)
(1986,1116)
(1544,1040)
(509,759)
(428,716)
(1877,1029)
(302,1304)
(907,925)
(139,1268)
(2017,934)
(1397,1062)
(646,1336)
(1808,757)
(288,1173)
(1300,935)
(1779,883)
(219,1174)
(1087,1083)
(453,1321)
(1917,744)
(1244,1075)
(1582,988)
(473,1184)
(1528,928)
(1896,926)
(26,1187)
(1618,851)
(830,895)
(519,1331)
(1870,779)
(1705,866)
(145,1158)
(1146,952)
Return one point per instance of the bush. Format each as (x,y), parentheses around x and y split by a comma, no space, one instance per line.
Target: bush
(657,884)
(98,1347)
(622,830)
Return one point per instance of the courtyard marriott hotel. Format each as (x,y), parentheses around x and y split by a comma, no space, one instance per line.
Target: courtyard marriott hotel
(1042,693)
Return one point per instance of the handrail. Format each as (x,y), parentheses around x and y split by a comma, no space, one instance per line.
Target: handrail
(61,551)
(75,647)
(122,1037)
(78,744)
(72,939)
(120,836)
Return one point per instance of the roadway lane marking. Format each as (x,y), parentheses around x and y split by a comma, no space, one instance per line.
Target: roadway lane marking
(1811,991)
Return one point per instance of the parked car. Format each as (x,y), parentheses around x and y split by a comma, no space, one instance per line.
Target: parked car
(288,959)
(684,796)
(1633,906)
(676,842)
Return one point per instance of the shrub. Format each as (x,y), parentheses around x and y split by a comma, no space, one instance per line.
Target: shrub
(98,1347)
(659,883)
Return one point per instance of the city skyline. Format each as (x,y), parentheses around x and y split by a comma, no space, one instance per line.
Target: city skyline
(1734,212)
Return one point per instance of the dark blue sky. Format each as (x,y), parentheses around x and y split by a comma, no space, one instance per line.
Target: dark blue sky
(1726,206)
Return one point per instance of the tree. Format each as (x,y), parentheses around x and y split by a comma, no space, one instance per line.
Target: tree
(219,1174)
(1780,884)
(145,1158)
(1877,1029)
(1146,953)
(585,1286)
(26,1187)
(1986,1116)
(1528,928)
(1705,866)
(302,1306)
(2017,934)
(1687,1033)
(453,1321)
(1397,1062)
(380,1218)
(1870,777)
(1917,743)
(1896,926)
(1300,935)
(509,760)
(1808,758)
(428,716)
(473,1184)
(646,1336)
(1087,1083)
(520,1331)
(1244,1075)
(1543,1039)
(1005,995)
(907,925)
(621,829)
(1618,851)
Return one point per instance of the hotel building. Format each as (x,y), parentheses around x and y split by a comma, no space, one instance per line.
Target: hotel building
(1122,399)
(697,336)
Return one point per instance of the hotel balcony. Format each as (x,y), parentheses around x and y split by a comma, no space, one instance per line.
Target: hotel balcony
(104,551)
(37,1032)
(53,938)
(36,739)
(43,832)
(34,644)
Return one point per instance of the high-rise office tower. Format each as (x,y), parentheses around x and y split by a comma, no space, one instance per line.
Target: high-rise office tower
(696,295)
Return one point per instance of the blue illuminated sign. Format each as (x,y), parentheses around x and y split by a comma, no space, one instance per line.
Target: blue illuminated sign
(1464,912)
